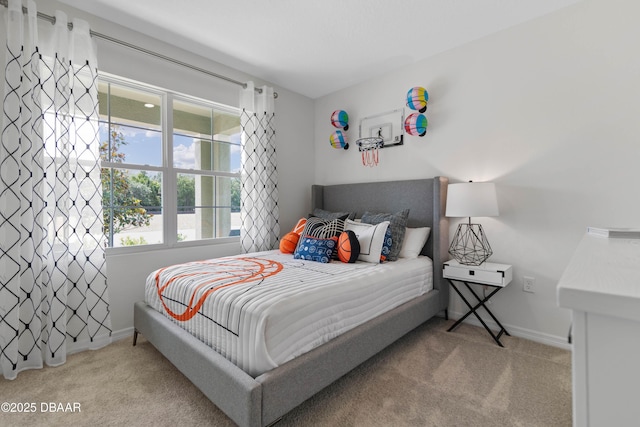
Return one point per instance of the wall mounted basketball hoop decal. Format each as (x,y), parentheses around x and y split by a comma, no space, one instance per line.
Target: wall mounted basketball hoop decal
(380,131)
(369,147)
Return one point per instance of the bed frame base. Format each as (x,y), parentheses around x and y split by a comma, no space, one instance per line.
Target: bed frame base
(263,400)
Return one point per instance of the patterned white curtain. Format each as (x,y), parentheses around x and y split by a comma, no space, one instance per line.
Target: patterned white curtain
(53,290)
(260,229)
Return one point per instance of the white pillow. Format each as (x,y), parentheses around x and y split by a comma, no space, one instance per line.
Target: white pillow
(370,237)
(414,240)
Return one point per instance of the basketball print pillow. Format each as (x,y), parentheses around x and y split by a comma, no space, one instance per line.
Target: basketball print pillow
(289,242)
(348,247)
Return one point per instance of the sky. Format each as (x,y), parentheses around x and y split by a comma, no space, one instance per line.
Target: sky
(145,147)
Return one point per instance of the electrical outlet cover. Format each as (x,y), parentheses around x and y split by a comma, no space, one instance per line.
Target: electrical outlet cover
(528,284)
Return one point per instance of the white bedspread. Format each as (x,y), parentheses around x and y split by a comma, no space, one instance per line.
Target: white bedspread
(260,310)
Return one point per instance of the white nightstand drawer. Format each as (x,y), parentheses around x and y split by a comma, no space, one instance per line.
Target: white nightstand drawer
(487,273)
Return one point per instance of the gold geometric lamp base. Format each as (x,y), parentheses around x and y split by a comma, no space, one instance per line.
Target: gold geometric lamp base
(470,246)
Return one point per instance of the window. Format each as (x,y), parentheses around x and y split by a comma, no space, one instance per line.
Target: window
(170,166)
(206,157)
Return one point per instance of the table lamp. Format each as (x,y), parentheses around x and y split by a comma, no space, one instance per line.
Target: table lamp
(471,199)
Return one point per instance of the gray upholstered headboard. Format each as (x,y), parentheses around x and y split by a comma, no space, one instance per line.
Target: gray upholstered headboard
(425,199)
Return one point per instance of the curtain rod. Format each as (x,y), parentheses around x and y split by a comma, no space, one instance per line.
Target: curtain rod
(52,20)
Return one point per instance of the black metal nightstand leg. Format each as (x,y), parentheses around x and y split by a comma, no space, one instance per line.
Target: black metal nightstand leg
(460,320)
(502,328)
(473,310)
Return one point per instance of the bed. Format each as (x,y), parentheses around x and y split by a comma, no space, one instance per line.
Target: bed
(258,400)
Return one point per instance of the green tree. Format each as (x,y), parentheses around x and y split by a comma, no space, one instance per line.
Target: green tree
(186,187)
(122,209)
(235,195)
(148,190)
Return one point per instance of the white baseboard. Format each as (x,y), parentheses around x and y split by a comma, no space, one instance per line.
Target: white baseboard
(115,336)
(122,334)
(552,340)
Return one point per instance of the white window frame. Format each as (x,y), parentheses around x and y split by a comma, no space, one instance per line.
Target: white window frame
(169,186)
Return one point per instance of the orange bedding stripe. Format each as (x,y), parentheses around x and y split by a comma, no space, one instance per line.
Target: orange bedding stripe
(233,272)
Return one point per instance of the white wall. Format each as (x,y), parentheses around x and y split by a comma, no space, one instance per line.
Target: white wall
(294,120)
(547,110)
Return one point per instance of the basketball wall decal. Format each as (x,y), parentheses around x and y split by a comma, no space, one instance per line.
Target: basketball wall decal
(416,124)
(289,242)
(338,140)
(340,119)
(417,99)
(348,247)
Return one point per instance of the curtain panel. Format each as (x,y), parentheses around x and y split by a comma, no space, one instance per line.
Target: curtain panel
(260,229)
(53,289)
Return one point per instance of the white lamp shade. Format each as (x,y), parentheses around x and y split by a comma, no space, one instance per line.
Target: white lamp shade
(472,199)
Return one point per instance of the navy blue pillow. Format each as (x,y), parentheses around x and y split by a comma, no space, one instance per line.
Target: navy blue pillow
(386,245)
(314,249)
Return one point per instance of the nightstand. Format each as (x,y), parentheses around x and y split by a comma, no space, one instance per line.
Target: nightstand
(496,276)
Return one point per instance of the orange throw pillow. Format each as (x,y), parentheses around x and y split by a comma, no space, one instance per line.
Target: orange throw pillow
(289,242)
(299,228)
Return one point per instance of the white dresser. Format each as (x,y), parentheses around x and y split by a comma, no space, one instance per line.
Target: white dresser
(601,286)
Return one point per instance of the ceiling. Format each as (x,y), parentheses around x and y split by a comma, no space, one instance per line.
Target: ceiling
(315,47)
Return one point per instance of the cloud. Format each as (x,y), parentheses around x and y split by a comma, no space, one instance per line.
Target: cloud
(129,132)
(184,156)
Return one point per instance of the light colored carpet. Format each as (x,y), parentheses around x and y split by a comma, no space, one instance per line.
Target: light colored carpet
(429,378)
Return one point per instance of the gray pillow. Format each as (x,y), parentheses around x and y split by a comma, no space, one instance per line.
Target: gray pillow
(321,213)
(398,223)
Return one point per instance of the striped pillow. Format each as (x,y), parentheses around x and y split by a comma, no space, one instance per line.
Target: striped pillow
(323,229)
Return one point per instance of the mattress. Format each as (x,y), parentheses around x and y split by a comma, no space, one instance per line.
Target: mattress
(263,309)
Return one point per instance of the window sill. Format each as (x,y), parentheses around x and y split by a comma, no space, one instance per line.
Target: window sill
(164,246)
